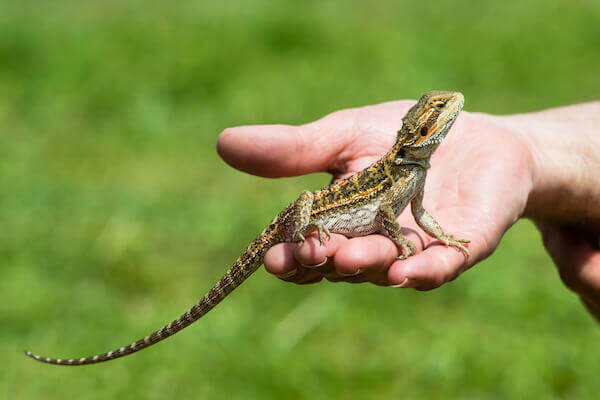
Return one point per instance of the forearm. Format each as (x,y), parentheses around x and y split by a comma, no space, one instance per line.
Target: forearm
(565,147)
(564,200)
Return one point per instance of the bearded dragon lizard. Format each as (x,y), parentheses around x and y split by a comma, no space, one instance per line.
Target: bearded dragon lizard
(367,202)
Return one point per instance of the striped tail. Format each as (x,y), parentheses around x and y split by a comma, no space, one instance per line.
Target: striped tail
(246,264)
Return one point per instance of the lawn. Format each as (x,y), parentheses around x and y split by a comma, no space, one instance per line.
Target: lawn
(117,214)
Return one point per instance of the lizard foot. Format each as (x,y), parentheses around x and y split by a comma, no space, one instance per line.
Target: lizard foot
(408,249)
(299,237)
(322,229)
(450,240)
(318,226)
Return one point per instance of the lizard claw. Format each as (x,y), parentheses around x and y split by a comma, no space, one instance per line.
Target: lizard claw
(323,228)
(408,249)
(299,237)
(449,240)
(318,226)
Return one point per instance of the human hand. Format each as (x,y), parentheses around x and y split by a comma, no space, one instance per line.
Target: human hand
(565,200)
(575,250)
(477,188)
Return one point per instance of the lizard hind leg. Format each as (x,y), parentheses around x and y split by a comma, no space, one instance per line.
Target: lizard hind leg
(303,226)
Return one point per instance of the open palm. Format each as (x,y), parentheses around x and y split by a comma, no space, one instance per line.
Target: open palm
(476,188)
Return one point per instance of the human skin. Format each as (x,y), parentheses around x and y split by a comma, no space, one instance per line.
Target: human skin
(487,173)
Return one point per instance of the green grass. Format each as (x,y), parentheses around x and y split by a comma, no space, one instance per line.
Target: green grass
(117,214)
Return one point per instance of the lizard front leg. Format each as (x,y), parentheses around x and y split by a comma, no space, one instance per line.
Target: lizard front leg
(392,229)
(303,226)
(432,228)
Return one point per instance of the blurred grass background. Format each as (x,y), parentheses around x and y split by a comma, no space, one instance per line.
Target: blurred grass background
(117,214)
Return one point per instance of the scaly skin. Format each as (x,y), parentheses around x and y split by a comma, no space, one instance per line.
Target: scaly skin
(367,202)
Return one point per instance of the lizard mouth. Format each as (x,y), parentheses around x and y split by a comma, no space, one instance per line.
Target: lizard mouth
(448,116)
(453,108)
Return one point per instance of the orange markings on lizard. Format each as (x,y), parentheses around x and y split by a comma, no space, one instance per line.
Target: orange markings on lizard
(429,132)
(352,199)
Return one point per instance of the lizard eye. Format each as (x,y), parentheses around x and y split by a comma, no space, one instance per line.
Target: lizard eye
(439,105)
(424,131)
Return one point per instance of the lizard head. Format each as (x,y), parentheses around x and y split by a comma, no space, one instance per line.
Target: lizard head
(426,124)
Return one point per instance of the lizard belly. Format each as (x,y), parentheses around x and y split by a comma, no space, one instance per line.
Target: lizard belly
(358,220)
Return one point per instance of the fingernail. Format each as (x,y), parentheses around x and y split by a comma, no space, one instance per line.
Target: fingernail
(288,274)
(315,266)
(354,274)
(405,283)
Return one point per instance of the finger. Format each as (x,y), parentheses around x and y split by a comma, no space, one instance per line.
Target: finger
(370,254)
(311,252)
(593,307)
(281,150)
(284,257)
(302,263)
(578,262)
(279,260)
(427,270)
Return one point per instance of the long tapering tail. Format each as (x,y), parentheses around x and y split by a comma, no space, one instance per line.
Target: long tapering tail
(246,264)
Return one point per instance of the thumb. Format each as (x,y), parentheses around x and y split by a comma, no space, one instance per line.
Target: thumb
(276,151)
